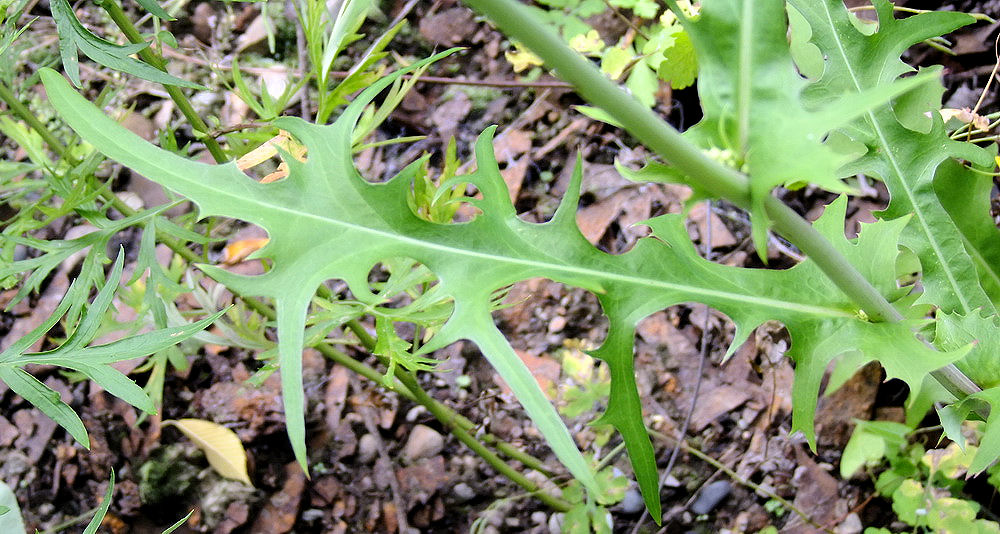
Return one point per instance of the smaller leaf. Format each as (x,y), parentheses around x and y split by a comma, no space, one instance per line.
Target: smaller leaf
(178,524)
(221,446)
(102,509)
(154,8)
(74,38)
(11,521)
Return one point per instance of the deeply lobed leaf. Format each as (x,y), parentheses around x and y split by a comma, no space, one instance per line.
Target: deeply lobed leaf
(324,221)
(898,150)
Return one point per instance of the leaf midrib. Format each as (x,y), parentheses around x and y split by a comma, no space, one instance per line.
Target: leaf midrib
(886,149)
(569,269)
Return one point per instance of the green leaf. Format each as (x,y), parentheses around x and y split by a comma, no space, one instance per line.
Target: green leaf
(325,207)
(74,36)
(751,95)
(808,58)
(178,524)
(904,159)
(102,509)
(11,521)
(981,336)
(56,251)
(93,361)
(870,442)
(46,400)
(989,445)
(965,194)
(680,63)
(154,8)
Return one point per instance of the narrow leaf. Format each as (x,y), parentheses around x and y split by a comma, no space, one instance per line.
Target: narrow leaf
(102,509)
(46,400)
(74,36)
(11,522)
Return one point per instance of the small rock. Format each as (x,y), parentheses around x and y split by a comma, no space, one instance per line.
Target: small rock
(424,442)
(313,514)
(449,27)
(539,517)
(556,523)
(850,525)
(632,503)
(367,448)
(463,492)
(710,496)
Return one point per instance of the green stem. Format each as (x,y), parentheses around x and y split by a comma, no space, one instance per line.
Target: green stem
(28,117)
(150,56)
(735,476)
(516,21)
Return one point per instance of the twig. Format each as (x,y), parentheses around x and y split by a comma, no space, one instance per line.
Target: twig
(693,451)
(147,54)
(237,127)
(368,414)
(340,74)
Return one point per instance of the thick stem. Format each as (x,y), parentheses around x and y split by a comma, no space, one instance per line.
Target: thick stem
(514,19)
(517,22)
(150,56)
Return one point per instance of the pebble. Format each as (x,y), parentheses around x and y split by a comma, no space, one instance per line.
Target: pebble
(313,514)
(424,442)
(367,448)
(464,492)
(556,523)
(632,503)
(710,496)
(850,525)
(539,517)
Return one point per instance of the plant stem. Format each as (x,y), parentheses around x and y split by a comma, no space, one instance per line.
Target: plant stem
(735,476)
(516,21)
(19,109)
(556,503)
(156,60)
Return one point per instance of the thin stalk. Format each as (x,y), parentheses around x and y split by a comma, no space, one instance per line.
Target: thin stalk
(516,21)
(736,477)
(28,117)
(556,503)
(150,56)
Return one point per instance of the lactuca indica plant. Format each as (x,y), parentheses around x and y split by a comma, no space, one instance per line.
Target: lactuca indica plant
(850,110)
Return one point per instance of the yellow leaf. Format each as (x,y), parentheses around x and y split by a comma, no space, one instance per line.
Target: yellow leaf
(589,44)
(238,251)
(221,446)
(522,59)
